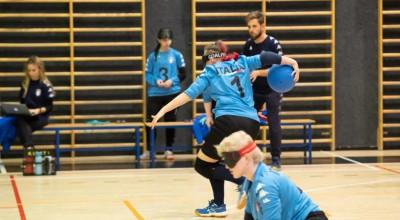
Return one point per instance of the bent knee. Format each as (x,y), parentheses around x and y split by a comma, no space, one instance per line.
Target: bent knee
(204,168)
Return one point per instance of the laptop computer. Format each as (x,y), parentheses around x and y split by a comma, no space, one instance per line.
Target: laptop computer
(15,109)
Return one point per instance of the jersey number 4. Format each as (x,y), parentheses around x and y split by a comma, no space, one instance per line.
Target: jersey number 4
(237,82)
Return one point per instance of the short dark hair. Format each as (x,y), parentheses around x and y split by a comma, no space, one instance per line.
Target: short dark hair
(255,15)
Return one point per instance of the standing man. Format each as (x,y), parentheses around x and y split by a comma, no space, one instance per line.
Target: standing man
(259,41)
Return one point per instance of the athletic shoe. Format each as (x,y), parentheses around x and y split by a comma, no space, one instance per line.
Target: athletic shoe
(145,155)
(168,155)
(242,196)
(276,163)
(31,147)
(212,210)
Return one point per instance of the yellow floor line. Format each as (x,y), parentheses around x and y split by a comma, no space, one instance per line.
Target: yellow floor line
(133,210)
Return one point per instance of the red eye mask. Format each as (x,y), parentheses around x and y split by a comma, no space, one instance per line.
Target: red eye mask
(232,157)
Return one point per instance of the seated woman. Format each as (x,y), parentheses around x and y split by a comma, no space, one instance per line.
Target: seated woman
(37,94)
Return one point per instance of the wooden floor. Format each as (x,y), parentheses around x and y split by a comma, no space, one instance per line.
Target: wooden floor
(356,191)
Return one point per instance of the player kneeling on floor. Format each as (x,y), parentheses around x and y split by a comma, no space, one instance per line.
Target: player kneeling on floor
(270,194)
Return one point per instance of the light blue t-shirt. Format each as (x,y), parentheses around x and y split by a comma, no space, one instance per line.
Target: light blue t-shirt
(165,67)
(229,85)
(273,196)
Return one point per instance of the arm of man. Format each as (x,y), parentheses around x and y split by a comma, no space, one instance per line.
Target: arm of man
(256,73)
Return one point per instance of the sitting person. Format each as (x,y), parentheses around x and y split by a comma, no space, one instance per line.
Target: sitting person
(37,94)
(270,194)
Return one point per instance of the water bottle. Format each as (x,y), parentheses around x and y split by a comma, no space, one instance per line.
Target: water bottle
(48,168)
(29,165)
(38,163)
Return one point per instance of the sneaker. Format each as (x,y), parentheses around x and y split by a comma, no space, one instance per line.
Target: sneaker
(145,155)
(276,163)
(212,210)
(168,155)
(242,196)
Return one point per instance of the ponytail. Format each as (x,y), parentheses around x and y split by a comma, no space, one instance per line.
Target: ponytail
(156,51)
(230,56)
(223,49)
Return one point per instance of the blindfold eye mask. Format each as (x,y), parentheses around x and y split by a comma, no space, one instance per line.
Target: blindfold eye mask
(205,58)
(232,157)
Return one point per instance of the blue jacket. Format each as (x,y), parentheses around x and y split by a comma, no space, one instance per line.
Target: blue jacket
(273,196)
(8,131)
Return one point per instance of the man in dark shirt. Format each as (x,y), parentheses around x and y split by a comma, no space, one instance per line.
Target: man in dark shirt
(259,41)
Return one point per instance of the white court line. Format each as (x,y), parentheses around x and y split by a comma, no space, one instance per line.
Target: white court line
(350,184)
(134,173)
(348,159)
(323,171)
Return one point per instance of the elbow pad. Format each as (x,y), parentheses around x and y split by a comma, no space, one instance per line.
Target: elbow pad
(270,58)
(182,74)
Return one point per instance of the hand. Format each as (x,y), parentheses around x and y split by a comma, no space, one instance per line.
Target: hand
(253,75)
(167,84)
(156,118)
(34,111)
(296,72)
(160,83)
(209,121)
(262,117)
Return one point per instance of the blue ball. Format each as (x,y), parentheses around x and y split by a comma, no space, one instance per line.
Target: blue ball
(280,79)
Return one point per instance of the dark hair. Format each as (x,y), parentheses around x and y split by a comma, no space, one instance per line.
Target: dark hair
(255,15)
(165,33)
(162,34)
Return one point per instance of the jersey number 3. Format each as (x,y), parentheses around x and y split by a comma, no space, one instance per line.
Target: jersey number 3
(164,72)
(237,82)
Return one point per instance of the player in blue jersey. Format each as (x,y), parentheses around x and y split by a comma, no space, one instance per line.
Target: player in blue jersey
(259,41)
(37,94)
(165,70)
(270,194)
(229,85)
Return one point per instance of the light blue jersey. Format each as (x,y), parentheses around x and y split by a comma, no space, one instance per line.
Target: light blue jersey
(165,67)
(273,196)
(229,85)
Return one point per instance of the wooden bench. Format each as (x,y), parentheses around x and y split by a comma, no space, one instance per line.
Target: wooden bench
(306,143)
(82,126)
(165,125)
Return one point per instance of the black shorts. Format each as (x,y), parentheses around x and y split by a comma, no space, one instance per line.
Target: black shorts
(224,126)
(318,215)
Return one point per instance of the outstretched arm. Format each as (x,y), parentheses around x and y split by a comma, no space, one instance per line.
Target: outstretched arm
(175,103)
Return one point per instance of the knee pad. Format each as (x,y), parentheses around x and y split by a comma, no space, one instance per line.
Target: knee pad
(204,168)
